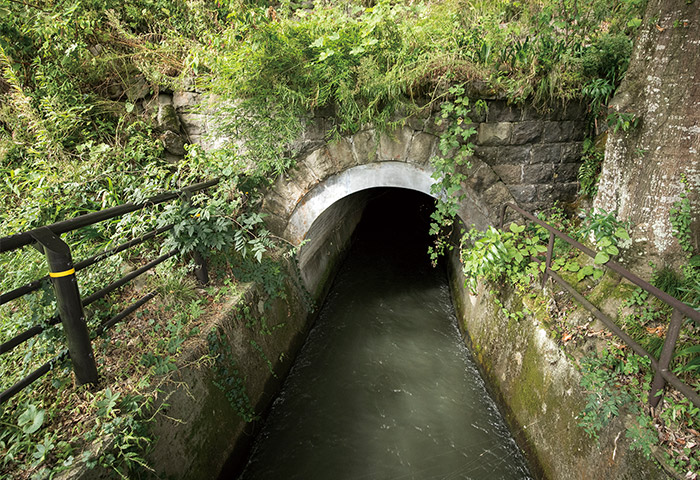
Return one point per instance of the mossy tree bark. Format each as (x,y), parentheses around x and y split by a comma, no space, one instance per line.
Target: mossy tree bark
(642,170)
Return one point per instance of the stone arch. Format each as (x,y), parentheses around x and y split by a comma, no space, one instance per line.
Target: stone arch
(350,181)
(321,200)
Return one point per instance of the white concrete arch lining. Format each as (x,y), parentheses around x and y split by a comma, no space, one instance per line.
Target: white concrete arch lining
(352,180)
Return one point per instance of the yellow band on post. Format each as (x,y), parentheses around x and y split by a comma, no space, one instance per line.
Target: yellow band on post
(62,274)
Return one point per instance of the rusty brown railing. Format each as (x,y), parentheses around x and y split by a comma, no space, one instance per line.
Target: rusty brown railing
(680,311)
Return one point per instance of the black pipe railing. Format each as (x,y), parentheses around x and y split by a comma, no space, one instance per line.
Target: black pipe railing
(69,301)
(680,310)
(14,242)
(36,284)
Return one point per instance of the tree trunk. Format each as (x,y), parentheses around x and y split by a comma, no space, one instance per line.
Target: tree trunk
(643,167)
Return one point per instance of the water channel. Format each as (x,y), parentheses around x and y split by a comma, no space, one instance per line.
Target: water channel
(384,387)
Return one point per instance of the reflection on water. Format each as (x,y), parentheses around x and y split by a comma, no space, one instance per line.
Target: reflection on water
(384,388)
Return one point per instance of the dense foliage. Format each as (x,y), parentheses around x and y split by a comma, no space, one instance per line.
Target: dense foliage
(77,134)
(615,379)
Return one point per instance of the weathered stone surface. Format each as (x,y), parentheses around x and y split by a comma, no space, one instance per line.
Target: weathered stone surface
(513,155)
(418,119)
(167,118)
(554,132)
(545,195)
(505,155)
(575,111)
(526,132)
(276,204)
(289,189)
(480,177)
(320,163)
(173,142)
(500,111)
(184,100)
(571,152)
(523,193)
(364,145)
(275,223)
(562,131)
(566,172)
(531,113)
(394,145)
(494,133)
(164,99)
(422,148)
(540,173)
(138,89)
(315,129)
(566,192)
(545,153)
(194,123)
(198,139)
(435,125)
(494,197)
(315,166)
(509,174)
(340,151)
(487,154)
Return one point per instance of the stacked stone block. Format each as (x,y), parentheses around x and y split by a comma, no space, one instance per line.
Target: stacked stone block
(536,156)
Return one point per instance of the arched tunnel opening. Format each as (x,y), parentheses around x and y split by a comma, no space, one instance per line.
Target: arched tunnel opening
(383,386)
(395,225)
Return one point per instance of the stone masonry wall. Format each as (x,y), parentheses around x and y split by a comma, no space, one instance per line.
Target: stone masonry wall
(536,156)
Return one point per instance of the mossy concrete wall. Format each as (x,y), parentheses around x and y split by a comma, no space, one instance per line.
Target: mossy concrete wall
(538,388)
(201,431)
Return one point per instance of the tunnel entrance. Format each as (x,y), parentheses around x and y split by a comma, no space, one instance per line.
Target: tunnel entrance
(384,386)
(395,223)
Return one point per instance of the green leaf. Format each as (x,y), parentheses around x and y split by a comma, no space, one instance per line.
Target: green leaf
(601,258)
(622,233)
(515,228)
(573,267)
(31,420)
(325,54)
(612,250)
(634,23)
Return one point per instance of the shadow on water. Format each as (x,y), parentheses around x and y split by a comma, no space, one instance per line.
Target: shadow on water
(383,387)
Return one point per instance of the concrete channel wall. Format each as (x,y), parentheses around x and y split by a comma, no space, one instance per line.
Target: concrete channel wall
(537,386)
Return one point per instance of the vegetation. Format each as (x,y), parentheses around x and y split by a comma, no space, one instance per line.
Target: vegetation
(616,380)
(79,84)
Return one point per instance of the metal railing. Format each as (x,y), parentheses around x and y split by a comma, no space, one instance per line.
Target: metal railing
(680,310)
(69,302)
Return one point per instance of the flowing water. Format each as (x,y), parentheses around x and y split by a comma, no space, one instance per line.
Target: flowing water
(384,387)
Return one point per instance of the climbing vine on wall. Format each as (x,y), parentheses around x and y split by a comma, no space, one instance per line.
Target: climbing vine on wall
(450,166)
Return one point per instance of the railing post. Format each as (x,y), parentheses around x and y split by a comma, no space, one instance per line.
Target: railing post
(658,383)
(548,261)
(70,306)
(200,268)
(200,264)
